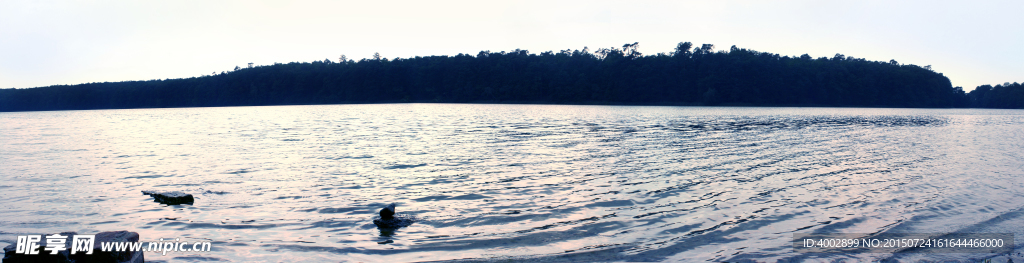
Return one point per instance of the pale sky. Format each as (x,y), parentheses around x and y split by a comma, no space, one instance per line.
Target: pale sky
(46,42)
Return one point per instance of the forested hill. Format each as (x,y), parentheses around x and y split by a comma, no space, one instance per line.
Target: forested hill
(688,76)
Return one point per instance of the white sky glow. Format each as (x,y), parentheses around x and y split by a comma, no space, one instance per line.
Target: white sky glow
(46,42)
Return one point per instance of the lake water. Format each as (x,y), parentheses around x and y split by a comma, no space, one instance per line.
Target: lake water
(529,182)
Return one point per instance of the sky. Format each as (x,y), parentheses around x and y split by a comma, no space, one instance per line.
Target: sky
(45,42)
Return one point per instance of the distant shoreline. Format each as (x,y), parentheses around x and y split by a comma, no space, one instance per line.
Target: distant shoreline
(518,103)
(690,76)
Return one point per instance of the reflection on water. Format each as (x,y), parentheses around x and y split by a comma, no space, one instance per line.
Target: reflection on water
(574,183)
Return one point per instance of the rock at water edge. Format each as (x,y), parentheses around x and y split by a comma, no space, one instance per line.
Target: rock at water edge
(171,198)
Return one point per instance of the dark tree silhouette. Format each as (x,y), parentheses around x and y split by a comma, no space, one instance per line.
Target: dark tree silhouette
(688,76)
(1006,96)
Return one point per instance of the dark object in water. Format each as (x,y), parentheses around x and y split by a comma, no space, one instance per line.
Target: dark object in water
(171,198)
(388,220)
(393,223)
(98,255)
(388,212)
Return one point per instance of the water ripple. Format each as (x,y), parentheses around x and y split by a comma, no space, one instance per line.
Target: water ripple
(512,182)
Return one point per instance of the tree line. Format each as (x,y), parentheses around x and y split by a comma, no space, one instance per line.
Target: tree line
(690,75)
(1006,96)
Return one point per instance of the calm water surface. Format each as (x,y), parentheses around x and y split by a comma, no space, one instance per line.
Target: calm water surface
(531,182)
